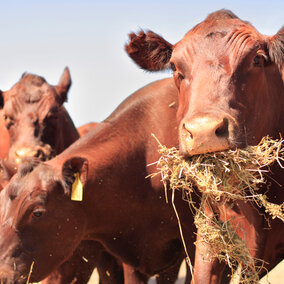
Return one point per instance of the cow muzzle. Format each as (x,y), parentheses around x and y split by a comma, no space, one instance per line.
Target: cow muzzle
(43,153)
(204,135)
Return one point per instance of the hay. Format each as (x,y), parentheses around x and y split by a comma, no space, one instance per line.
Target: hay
(224,244)
(224,176)
(230,175)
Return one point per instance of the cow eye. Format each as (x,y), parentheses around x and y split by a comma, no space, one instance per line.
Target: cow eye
(257,61)
(38,213)
(173,67)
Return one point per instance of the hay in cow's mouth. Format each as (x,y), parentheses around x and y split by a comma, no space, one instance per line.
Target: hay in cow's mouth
(222,177)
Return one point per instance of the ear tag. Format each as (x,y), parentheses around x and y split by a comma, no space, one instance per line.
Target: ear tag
(77,189)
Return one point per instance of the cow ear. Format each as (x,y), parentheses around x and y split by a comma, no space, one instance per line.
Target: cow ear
(63,85)
(1,99)
(276,49)
(149,50)
(74,175)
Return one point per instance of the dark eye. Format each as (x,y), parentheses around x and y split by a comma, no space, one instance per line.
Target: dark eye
(38,213)
(257,61)
(173,67)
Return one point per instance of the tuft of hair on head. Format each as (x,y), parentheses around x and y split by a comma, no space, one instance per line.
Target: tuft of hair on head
(149,50)
(27,165)
(222,14)
(276,48)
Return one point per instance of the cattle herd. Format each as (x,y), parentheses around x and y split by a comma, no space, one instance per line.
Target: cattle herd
(227,91)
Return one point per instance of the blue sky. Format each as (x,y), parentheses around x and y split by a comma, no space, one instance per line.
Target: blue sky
(43,37)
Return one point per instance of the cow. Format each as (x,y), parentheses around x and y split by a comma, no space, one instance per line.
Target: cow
(36,123)
(86,128)
(231,95)
(120,208)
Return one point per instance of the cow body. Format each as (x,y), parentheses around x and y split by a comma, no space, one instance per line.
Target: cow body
(86,128)
(231,94)
(121,209)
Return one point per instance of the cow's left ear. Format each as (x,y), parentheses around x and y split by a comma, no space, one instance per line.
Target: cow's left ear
(74,175)
(149,50)
(276,48)
(63,85)
(1,99)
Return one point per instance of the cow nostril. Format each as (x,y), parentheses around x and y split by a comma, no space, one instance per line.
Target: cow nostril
(223,129)
(39,153)
(187,130)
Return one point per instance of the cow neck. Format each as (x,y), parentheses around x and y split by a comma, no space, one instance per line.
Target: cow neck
(68,132)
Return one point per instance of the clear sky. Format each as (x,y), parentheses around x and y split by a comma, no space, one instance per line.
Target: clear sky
(43,37)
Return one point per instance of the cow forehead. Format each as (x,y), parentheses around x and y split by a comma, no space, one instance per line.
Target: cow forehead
(217,38)
(32,177)
(31,88)
(30,104)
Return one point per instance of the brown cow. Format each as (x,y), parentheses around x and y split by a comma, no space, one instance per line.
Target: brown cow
(86,128)
(37,122)
(39,125)
(231,94)
(122,209)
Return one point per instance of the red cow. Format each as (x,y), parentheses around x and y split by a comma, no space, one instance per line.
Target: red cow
(39,126)
(86,128)
(121,209)
(231,94)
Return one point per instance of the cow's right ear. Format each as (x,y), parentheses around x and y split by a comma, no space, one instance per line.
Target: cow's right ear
(1,99)
(149,51)
(74,174)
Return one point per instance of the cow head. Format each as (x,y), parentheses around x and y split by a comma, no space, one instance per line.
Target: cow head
(32,111)
(229,79)
(40,224)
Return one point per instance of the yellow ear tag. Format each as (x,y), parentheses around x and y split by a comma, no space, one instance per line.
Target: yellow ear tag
(77,189)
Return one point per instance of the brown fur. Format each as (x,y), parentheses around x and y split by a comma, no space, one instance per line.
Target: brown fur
(86,128)
(144,48)
(276,48)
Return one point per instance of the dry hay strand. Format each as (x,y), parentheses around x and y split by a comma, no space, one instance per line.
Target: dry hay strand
(228,176)
(225,244)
